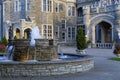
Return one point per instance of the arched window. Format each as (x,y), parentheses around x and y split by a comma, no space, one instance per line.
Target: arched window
(27,33)
(17,33)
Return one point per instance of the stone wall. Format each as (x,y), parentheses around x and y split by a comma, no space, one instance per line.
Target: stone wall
(40,18)
(45,68)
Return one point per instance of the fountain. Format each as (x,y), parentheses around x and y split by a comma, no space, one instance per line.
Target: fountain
(41,59)
(34,35)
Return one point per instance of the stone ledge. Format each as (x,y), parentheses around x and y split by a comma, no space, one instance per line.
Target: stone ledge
(46,68)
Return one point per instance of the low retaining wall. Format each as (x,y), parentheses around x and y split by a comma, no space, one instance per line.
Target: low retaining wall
(45,68)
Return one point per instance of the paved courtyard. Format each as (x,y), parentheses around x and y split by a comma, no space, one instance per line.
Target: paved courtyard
(104,69)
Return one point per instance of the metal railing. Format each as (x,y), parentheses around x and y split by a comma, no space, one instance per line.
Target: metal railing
(102,45)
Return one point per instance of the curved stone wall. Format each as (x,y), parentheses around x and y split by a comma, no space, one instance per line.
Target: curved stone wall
(45,68)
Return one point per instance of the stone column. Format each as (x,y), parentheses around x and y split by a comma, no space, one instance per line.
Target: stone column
(86,21)
(112,33)
(93,34)
(102,35)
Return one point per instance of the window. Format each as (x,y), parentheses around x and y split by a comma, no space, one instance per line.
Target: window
(47,31)
(28,5)
(57,31)
(44,5)
(63,36)
(19,5)
(57,7)
(80,12)
(47,5)
(71,11)
(63,24)
(71,33)
(16,6)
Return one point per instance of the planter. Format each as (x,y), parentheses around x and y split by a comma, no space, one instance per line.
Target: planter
(89,45)
(118,55)
(83,52)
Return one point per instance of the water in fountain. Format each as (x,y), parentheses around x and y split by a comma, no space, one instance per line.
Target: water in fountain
(62,56)
(35,34)
(8,54)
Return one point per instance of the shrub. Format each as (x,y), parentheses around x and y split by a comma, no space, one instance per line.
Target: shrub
(117,49)
(80,39)
(4,40)
(2,47)
(23,37)
(89,42)
(15,37)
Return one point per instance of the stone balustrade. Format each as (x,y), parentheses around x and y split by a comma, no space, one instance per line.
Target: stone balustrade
(103,45)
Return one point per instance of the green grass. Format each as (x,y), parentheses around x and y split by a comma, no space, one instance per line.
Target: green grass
(115,58)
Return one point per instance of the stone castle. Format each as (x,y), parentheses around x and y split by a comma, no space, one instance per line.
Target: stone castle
(100,19)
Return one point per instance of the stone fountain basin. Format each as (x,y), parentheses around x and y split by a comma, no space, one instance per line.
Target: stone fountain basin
(46,68)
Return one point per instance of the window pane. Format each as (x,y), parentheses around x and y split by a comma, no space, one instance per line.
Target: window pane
(73,11)
(44,5)
(69,10)
(47,31)
(63,24)
(73,33)
(28,5)
(50,6)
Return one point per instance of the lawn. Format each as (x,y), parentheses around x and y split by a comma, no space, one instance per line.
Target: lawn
(114,58)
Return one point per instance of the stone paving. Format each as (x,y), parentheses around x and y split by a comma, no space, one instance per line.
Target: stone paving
(104,69)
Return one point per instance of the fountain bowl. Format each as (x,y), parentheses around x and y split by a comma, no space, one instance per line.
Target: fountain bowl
(46,68)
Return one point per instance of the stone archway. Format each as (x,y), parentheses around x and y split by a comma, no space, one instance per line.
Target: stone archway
(106,26)
(103,32)
(27,33)
(104,20)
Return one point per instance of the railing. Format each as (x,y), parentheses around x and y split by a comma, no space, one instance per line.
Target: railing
(80,20)
(103,45)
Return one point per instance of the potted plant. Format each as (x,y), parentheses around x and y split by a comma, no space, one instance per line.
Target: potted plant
(89,43)
(117,50)
(80,41)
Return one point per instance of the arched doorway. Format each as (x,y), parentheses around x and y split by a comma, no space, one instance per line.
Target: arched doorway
(103,32)
(27,33)
(17,33)
(80,12)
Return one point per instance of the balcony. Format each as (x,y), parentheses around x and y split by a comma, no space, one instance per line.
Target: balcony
(80,20)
